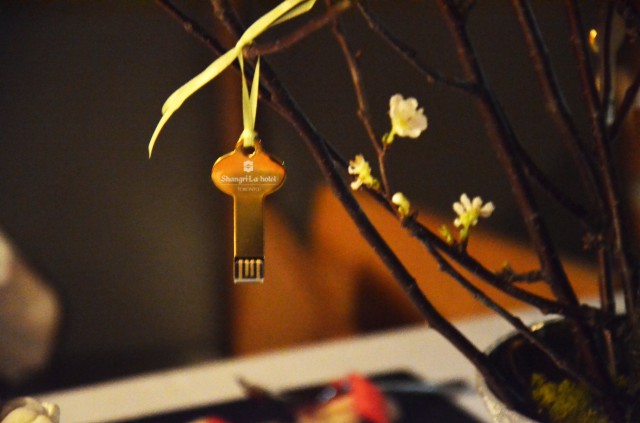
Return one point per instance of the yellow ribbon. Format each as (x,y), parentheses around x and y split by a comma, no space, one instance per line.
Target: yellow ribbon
(286,10)
(249,104)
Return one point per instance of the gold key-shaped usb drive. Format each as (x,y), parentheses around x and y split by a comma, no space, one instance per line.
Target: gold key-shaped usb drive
(248,174)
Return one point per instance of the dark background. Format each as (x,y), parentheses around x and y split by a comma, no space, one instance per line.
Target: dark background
(133,246)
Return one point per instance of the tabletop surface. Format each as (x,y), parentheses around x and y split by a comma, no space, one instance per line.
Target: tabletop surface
(415,349)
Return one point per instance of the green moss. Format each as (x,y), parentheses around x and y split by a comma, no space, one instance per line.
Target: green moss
(565,402)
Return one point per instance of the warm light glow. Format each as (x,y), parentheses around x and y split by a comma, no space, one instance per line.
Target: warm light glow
(593,41)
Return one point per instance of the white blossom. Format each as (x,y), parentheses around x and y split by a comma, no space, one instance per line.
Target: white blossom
(407,120)
(360,167)
(469,211)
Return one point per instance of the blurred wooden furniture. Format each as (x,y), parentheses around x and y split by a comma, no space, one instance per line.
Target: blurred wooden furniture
(336,286)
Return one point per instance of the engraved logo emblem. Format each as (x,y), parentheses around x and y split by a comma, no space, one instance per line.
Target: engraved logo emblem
(248,165)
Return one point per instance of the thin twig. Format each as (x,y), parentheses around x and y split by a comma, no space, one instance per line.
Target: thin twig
(546,306)
(224,12)
(363,105)
(356,78)
(310,26)
(602,146)
(614,219)
(511,276)
(520,327)
(556,103)
(535,173)
(407,53)
(607,74)
(607,297)
(603,255)
(192,27)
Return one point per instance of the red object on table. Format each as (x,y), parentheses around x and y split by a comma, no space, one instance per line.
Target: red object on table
(369,403)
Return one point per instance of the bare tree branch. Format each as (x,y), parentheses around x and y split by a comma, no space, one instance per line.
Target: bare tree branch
(407,53)
(192,27)
(602,148)
(363,105)
(556,103)
(311,26)
(520,327)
